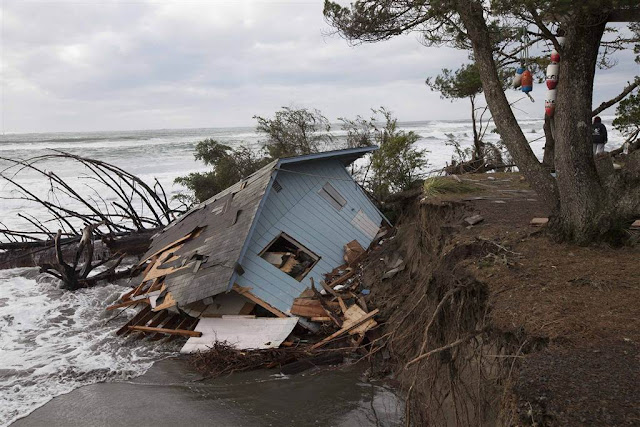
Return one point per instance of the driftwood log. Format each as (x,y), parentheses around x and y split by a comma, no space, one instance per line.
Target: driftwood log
(38,253)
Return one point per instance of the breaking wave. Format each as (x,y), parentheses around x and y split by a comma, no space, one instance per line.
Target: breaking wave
(54,341)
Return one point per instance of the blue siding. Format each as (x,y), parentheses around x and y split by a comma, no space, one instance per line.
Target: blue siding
(302,213)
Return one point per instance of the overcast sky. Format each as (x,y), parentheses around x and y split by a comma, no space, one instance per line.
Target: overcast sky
(111,65)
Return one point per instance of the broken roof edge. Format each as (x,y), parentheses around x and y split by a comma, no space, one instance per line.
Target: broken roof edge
(348,155)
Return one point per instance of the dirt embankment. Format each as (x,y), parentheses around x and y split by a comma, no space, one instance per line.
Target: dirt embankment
(497,324)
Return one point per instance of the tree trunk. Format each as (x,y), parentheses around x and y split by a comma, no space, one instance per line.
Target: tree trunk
(549,144)
(478,147)
(542,182)
(34,254)
(582,215)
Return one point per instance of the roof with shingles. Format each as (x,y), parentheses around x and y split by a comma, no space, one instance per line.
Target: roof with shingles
(224,221)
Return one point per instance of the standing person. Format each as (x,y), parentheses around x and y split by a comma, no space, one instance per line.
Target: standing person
(598,136)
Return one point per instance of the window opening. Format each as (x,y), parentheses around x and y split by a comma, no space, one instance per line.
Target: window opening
(289,256)
(331,195)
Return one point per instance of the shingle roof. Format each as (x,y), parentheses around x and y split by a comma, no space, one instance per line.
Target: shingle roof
(225,221)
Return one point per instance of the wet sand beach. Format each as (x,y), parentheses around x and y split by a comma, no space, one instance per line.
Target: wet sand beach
(170,393)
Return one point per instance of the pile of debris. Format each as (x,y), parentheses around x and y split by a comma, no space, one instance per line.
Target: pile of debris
(328,314)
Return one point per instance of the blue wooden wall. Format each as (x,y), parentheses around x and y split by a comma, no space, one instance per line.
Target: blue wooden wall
(303,214)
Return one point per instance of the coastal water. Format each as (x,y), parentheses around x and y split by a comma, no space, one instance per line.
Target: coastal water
(51,341)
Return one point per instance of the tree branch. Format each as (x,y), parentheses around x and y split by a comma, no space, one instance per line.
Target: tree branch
(626,91)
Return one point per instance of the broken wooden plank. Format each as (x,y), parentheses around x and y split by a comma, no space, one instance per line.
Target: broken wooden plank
(340,280)
(180,332)
(246,292)
(328,288)
(134,320)
(326,307)
(353,315)
(171,322)
(352,251)
(343,331)
(168,302)
(307,307)
(321,319)
(188,236)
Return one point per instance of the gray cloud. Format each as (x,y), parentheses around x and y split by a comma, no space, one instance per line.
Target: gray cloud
(123,65)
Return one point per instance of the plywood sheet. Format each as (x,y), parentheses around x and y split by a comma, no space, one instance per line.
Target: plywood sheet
(241,332)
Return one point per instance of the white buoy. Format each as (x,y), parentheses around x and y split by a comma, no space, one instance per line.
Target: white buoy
(517,78)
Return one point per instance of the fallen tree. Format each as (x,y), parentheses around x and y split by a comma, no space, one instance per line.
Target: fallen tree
(116,220)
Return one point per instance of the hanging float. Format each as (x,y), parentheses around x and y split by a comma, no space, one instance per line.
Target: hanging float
(517,78)
(527,82)
(523,78)
(552,80)
(552,76)
(550,102)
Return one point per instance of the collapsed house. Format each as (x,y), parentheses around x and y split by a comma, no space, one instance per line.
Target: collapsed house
(234,267)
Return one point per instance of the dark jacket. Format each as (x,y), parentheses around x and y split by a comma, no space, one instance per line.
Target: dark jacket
(598,133)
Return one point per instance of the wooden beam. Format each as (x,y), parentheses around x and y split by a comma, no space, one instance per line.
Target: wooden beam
(246,292)
(181,332)
(134,320)
(345,330)
(342,279)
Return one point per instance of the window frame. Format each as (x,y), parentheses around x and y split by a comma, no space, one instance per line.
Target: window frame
(333,196)
(300,246)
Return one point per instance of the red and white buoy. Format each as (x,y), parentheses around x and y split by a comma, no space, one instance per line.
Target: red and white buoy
(550,102)
(552,75)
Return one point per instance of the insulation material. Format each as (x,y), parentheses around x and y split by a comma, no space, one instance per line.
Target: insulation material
(365,224)
(241,332)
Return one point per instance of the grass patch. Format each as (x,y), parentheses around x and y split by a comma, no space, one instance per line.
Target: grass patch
(439,185)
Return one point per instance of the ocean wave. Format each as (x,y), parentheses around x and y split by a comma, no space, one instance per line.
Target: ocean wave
(54,341)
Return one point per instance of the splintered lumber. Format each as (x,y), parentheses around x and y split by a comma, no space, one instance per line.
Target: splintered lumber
(352,251)
(307,307)
(353,315)
(134,320)
(328,288)
(194,233)
(246,292)
(326,307)
(321,319)
(181,332)
(170,323)
(340,280)
(344,330)
(166,303)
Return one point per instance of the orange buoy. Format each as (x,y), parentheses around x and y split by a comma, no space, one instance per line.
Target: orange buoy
(527,81)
